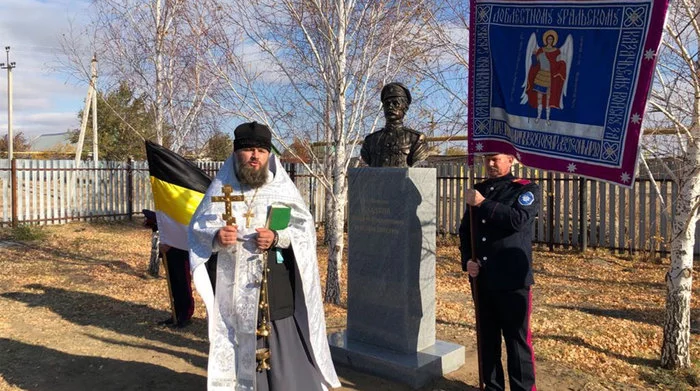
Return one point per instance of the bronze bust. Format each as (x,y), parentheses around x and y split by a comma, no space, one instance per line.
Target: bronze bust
(394,145)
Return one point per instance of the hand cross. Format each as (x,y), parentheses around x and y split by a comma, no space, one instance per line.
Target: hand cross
(227,198)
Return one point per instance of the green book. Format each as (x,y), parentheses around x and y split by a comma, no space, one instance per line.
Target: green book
(278,217)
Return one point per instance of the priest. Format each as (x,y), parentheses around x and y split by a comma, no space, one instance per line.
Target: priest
(267,328)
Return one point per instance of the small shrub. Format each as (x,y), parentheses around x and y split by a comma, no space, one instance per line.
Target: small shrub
(26,233)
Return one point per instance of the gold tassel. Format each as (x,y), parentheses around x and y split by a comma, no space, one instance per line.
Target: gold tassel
(262,356)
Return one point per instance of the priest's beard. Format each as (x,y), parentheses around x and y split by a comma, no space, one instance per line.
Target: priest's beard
(248,175)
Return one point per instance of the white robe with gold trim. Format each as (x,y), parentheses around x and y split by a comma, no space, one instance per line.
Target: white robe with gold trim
(233,310)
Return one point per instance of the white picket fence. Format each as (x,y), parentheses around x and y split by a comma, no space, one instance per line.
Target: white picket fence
(56,192)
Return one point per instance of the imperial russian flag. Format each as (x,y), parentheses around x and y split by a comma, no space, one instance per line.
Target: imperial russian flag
(178,187)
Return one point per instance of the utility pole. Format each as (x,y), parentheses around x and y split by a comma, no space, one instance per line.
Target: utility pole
(93,83)
(9,66)
(90,100)
(86,112)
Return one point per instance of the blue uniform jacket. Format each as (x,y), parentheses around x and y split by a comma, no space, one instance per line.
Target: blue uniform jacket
(503,232)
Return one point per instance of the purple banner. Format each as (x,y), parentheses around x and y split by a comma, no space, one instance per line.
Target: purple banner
(563,85)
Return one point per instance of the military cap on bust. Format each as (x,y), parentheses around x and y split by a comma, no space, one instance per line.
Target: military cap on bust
(252,135)
(395,89)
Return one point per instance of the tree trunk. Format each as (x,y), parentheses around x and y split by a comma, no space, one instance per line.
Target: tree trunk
(327,216)
(335,256)
(681,109)
(675,351)
(159,38)
(337,223)
(328,161)
(336,237)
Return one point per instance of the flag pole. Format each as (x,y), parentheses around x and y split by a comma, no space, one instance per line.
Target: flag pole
(475,288)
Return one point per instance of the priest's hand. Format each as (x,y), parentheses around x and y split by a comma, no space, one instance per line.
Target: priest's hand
(227,235)
(473,197)
(265,239)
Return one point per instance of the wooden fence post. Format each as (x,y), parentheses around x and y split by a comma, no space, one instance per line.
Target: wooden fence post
(293,172)
(130,187)
(550,209)
(583,218)
(312,194)
(13,189)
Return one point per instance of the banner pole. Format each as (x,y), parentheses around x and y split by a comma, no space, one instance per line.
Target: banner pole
(475,287)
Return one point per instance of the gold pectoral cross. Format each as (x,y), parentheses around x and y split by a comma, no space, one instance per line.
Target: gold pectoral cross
(227,198)
(248,215)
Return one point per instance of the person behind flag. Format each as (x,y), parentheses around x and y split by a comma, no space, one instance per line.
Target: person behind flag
(177,274)
(178,186)
(298,347)
(500,270)
(177,264)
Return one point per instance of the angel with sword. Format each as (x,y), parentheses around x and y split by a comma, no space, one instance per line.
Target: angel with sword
(547,70)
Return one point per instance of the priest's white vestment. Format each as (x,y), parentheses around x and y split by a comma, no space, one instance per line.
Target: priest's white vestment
(233,309)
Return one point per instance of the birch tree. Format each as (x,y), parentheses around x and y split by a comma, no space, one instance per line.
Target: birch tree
(313,69)
(156,47)
(445,69)
(675,103)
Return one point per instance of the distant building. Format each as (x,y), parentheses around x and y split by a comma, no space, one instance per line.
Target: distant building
(52,142)
(49,146)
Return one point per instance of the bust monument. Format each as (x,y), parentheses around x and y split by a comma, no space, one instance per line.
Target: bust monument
(394,145)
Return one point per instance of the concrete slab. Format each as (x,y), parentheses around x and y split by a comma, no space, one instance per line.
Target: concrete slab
(414,369)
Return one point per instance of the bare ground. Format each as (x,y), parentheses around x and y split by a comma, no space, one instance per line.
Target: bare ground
(78,312)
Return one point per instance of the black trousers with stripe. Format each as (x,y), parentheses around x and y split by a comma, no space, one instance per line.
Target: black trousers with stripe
(505,315)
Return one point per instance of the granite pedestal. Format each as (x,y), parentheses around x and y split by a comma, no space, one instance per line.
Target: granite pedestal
(391,278)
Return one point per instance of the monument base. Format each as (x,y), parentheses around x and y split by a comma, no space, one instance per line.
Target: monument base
(414,369)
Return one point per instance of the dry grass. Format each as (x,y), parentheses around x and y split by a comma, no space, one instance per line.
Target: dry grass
(595,315)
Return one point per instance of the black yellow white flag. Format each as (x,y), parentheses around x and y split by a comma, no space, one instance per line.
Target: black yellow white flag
(178,187)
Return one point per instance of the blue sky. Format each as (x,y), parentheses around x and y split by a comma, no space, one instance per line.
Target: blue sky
(44,100)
